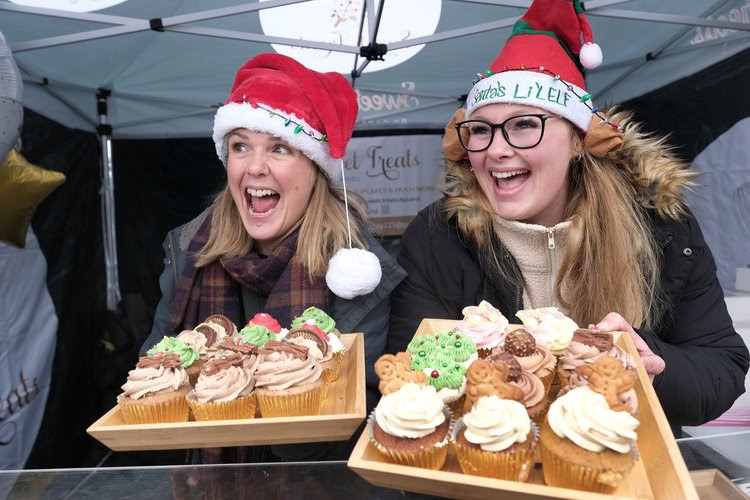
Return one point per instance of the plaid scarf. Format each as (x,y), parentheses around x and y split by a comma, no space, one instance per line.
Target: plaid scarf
(216,288)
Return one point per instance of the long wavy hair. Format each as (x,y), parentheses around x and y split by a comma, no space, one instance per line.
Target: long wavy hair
(322,228)
(611,261)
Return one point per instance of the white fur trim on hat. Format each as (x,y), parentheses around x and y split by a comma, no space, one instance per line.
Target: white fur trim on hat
(531,89)
(236,115)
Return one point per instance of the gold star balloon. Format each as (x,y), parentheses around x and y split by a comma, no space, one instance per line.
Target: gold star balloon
(22,187)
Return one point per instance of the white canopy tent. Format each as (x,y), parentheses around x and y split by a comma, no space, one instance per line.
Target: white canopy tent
(146,69)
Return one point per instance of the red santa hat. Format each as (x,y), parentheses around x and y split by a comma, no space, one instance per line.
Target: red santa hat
(542,64)
(314,112)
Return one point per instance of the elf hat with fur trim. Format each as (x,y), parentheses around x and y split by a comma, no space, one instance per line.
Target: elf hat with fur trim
(541,64)
(314,112)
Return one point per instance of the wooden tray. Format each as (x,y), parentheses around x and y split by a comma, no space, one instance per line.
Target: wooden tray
(660,472)
(713,484)
(342,413)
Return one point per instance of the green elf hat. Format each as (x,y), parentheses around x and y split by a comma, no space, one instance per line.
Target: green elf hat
(542,64)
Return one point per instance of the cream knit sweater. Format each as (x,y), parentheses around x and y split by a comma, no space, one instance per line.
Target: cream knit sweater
(538,251)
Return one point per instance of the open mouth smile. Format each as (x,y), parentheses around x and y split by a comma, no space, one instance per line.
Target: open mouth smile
(261,201)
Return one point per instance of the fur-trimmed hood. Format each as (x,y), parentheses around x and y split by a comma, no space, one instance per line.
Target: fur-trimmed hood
(657,175)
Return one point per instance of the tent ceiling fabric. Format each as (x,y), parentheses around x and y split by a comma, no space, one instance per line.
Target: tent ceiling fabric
(168,83)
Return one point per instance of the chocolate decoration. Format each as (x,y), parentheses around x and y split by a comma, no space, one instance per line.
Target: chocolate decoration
(215,365)
(229,344)
(306,333)
(169,361)
(207,332)
(514,367)
(223,321)
(520,343)
(603,341)
(298,351)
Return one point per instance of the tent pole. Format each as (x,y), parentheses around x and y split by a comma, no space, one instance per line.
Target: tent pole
(108,202)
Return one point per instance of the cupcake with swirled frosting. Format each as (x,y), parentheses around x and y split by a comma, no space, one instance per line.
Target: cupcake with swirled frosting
(550,327)
(485,326)
(188,356)
(496,439)
(288,381)
(587,346)
(533,356)
(410,427)
(586,444)
(155,391)
(224,389)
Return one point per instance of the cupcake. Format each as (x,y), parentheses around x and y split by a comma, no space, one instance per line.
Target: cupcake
(496,439)
(533,356)
(288,381)
(312,316)
(447,377)
(485,326)
(549,327)
(224,389)
(249,352)
(410,427)
(189,357)
(311,337)
(585,348)
(586,444)
(155,391)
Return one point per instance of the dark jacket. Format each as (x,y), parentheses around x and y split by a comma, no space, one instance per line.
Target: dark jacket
(706,360)
(367,314)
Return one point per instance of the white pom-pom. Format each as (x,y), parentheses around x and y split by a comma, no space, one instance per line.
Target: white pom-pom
(590,55)
(353,272)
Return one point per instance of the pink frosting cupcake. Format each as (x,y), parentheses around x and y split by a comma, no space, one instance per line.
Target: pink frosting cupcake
(485,325)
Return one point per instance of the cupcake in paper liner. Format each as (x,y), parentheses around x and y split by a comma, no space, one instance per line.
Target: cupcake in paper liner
(314,317)
(485,326)
(587,445)
(155,391)
(485,378)
(224,389)
(496,439)
(189,357)
(534,357)
(327,349)
(288,381)
(411,426)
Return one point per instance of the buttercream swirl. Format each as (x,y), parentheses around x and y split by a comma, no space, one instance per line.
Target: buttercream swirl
(154,377)
(532,387)
(173,345)
(496,424)
(196,340)
(322,319)
(584,417)
(540,363)
(312,348)
(254,334)
(224,379)
(279,370)
(414,411)
(484,324)
(550,327)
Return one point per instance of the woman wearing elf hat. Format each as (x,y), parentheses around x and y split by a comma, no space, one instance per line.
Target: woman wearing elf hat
(282,235)
(552,203)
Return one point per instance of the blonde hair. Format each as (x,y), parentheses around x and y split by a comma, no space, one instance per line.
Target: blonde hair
(612,260)
(322,228)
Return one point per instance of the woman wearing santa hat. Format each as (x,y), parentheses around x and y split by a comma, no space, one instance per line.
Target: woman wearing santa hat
(550,202)
(283,235)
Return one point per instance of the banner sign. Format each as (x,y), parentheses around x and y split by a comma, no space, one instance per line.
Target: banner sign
(397,175)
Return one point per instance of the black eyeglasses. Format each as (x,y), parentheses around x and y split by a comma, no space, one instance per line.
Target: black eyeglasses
(521,132)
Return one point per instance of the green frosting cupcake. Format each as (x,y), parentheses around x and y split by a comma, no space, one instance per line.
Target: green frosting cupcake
(254,334)
(322,320)
(446,372)
(173,345)
(422,343)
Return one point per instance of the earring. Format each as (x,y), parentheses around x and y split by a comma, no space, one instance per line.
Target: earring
(471,169)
